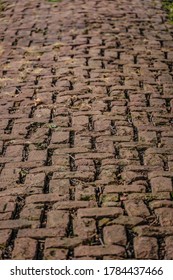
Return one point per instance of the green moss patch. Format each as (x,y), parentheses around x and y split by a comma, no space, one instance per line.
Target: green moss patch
(54,1)
(168,6)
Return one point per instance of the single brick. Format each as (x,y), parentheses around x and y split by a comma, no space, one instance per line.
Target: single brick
(161,184)
(24,249)
(4,237)
(165,216)
(147,137)
(40,233)
(16,224)
(60,137)
(136,208)
(146,248)
(100,212)
(99,251)
(41,198)
(65,243)
(72,204)
(84,228)
(169,248)
(35,179)
(55,254)
(58,219)
(60,186)
(115,234)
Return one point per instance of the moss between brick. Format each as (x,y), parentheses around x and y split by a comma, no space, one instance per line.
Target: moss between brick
(1,6)
(54,1)
(168,6)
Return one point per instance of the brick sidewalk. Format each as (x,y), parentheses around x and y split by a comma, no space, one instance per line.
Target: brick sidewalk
(86,130)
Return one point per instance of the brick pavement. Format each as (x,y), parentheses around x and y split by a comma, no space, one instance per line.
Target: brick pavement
(86,130)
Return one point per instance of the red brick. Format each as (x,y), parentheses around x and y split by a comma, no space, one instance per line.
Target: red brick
(35,179)
(99,251)
(165,216)
(55,254)
(24,249)
(65,243)
(72,204)
(161,184)
(146,248)
(4,237)
(40,233)
(41,198)
(7,203)
(60,137)
(169,248)
(115,234)
(16,224)
(100,212)
(84,228)
(58,219)
(136,208)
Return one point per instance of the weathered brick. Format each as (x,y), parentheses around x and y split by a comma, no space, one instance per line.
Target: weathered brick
(39,155)
(147,137)
(7,204)
(161,184)
(136,208)
(66,243)
(14,152)
(160,203)
(24,249)
(84,228)
(83,165)
(60,186)
(58,219)
(16,224)
(55,254)
(60,137)
(69,205)
(35,179)
(40,233)
(84,251)
(146,248)
(169,248)
(129,221)
(100,212)
(115,234)
(31,212)
(4,237)
(165,216)
(41,198)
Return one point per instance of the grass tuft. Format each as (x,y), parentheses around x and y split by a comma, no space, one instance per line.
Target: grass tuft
(1,6)
(54,1)
(168,6)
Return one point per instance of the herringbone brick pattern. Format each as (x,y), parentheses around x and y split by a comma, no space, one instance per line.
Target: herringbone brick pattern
(86,130)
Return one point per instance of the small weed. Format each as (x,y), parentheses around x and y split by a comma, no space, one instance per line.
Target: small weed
(54,1)
(52,126)
(149,197)
(171,195)
(110,198)
(1,48)
(57,45)
(85,197)
(23,172)
(1,6)
(168,6)
(41,146)
(22,176)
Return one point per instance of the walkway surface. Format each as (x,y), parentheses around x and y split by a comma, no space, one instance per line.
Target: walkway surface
(86,130)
